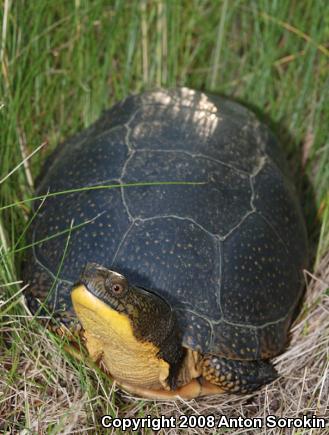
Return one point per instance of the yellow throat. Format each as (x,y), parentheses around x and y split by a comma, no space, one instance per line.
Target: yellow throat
(109,337)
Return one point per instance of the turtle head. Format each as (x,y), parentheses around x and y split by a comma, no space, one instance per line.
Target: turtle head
(133,331)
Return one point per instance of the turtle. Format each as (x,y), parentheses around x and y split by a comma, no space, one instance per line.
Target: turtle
(170,238)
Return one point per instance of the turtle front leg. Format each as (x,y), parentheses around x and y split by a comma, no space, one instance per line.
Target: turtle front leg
(235,376)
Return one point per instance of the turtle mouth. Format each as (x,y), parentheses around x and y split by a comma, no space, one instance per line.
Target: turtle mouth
(97,289)
(93,277)
(92,286)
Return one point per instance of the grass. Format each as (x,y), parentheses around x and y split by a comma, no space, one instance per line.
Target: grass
(62,63)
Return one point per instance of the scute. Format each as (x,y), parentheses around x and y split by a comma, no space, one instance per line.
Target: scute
(222,185)
(198,330)
(273,337)
(272,192)
(205,127)
(227,254)
(235,341)
(80,228)
(257,287)
(86,162)
(176,258)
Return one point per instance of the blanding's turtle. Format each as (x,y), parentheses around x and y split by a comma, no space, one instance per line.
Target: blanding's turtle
(178,289)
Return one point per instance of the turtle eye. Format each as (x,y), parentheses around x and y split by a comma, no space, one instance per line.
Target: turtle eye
(117,288)
(116,284)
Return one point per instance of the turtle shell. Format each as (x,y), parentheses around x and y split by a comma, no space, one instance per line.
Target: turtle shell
(227,253)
